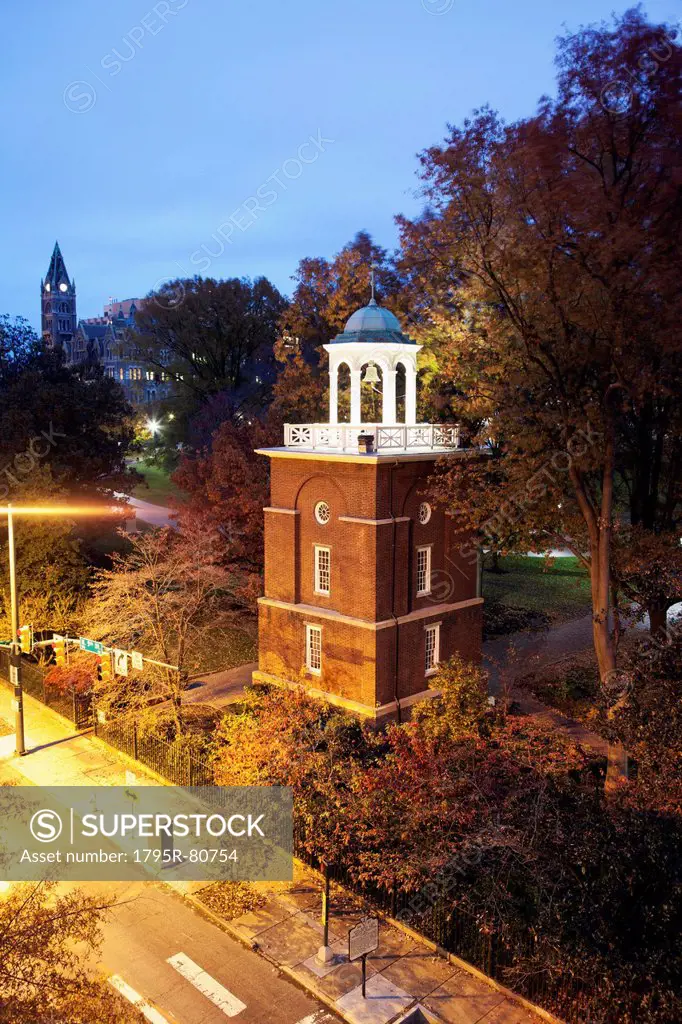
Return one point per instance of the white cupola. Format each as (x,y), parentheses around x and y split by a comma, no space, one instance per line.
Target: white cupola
(373,340)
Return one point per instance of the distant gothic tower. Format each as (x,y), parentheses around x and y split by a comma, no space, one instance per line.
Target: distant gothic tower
(367,586)
(58,304)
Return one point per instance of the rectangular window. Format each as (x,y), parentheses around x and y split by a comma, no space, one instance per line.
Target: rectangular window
(431,648)
(323,570)
(313,648)
(423,571)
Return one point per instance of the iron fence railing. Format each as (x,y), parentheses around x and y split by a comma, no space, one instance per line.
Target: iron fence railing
(180,766)
(69,702)
(495,950)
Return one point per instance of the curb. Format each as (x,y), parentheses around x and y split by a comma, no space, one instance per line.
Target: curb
(399,925)
(249,944)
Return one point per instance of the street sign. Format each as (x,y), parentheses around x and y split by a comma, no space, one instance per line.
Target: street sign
(363,939)
(120,663)
(138,661)
(92,646)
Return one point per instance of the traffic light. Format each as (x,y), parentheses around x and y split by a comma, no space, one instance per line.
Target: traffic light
(104,669)
(59,648)
(25,640)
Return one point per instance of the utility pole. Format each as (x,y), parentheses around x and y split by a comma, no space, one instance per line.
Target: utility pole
(9,510)
(15,649)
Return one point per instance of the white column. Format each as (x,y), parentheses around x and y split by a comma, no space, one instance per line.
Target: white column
(333,395)
(355,398)
(389,411)
(410,395)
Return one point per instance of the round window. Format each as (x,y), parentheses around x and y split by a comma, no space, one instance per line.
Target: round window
(424,513)
(323,513)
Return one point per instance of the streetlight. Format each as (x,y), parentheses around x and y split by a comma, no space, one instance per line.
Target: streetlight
(15,649)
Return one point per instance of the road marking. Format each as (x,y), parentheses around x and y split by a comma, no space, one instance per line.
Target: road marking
(207,985)
(314,1018)
(138,1001)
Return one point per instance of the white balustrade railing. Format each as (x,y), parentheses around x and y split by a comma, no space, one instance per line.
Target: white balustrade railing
(423,437)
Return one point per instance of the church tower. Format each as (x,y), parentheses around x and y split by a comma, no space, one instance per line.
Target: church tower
(367,585)
(58,305)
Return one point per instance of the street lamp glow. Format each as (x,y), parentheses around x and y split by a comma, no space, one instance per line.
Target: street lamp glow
(61,510)
(153,426)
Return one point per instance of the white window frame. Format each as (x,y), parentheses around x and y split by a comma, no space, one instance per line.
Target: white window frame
(423,591)
(320,572)
(313,630)
(433,629)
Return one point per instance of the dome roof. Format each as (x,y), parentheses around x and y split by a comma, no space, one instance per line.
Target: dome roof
(372,318)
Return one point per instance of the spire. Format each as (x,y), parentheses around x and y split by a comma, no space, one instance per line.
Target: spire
(56,272)
(373,300)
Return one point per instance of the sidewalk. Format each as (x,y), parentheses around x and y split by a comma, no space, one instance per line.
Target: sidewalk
(60,756)
(403,974)
(286,930)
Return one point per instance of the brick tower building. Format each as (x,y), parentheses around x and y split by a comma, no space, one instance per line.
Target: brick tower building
(366,589)
(58,305)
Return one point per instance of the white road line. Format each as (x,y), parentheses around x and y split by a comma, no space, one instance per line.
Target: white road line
(138,1001)
(314,1018)
(207,985)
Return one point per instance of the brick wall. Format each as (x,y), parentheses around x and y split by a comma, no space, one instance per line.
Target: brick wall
(373,576)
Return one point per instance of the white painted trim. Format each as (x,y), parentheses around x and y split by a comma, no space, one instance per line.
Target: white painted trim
(373,522)
(329,613)
(371,460)
(317,548)
(309,627)
(428,548)
(282,511)
(436,647)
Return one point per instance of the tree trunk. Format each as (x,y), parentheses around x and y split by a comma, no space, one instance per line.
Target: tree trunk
(658,618)
(599,524)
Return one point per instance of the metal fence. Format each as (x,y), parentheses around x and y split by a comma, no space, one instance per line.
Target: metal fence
(495,950)
(179,766)
(70,703)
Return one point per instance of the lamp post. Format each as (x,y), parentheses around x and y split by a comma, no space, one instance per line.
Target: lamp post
(15,649)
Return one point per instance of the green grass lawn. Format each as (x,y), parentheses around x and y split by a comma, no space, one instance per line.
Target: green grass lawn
(560,593)
(158,486)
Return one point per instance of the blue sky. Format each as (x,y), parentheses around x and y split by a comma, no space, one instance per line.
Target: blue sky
(134,130)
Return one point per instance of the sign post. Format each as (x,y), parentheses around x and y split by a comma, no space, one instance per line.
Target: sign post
(363,939)
(324,954)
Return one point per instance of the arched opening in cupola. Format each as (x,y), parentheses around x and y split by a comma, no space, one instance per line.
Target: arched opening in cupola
(343,396)
(372,393)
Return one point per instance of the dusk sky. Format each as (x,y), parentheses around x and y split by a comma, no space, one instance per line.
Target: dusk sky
(133,131)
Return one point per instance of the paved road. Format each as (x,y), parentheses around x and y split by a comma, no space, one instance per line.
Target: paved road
(211,977)
(155,515)
(219,688)
(159,948)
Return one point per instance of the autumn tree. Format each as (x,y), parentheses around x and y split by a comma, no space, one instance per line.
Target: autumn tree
(46,939)
(212,336)
(327,292)
(166,598)
(554,237)
(227,488)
